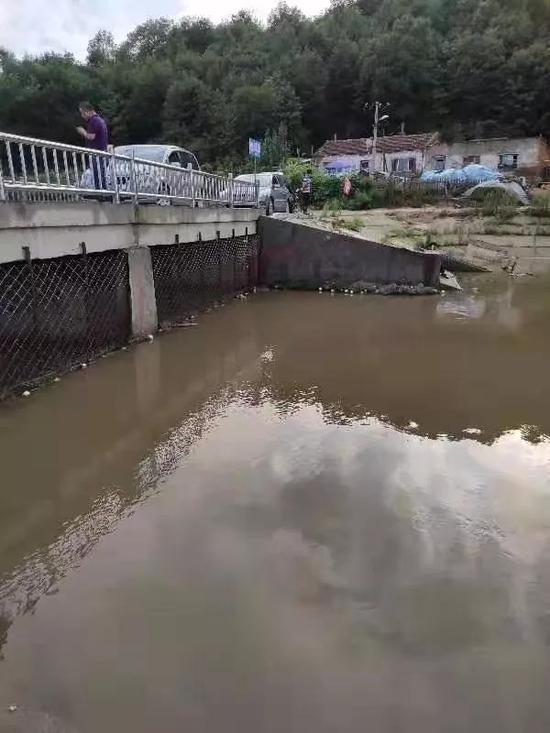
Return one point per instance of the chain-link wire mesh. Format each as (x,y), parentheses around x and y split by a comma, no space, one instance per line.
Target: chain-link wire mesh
(57,313)
(190,277)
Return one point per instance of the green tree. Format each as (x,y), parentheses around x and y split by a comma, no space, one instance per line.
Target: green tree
(101,49)
(466,67)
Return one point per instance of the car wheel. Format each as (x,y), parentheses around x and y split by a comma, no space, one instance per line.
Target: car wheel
(269,207)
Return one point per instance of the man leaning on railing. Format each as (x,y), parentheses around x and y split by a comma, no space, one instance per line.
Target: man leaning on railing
(97,138)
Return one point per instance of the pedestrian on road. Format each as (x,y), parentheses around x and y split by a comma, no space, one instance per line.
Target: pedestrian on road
(306,191)
(96,136)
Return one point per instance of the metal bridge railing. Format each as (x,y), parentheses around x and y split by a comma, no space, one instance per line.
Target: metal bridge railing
(32,169)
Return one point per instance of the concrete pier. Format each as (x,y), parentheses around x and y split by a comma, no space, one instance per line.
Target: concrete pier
(142,292)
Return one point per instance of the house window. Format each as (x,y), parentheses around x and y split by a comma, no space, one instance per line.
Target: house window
(402,165)
(508,161)
(439,163)
(364,165)
(469,159)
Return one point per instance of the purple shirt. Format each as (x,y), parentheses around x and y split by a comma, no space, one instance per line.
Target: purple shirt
(98,127)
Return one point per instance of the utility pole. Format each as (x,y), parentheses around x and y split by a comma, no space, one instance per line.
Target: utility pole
(375,135)
(377,119)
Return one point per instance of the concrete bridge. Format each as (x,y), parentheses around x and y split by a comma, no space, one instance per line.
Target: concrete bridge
(54,230)
(81,278)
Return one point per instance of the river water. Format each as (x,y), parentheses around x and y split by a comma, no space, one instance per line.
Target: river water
(309,513)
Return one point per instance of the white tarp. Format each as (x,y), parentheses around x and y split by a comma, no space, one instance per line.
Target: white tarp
(512,188)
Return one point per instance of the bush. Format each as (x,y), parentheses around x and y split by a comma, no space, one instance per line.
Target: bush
(325,188)
(366,193)
(494,202)
(359,201)
(541,204)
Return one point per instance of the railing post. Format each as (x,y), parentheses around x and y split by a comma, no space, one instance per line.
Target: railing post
(2,189)
(116,195)
(257,194)
(191,183)
(231,190)
(133,178)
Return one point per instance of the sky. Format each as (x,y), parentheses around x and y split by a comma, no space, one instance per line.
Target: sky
(69,24)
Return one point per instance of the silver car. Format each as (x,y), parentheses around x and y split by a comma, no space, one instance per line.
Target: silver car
(149,179)
(275,192)
(167,154)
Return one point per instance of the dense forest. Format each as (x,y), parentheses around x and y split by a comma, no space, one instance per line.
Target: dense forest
(469,68)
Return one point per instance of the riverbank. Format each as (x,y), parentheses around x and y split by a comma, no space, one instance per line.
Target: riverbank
(463,231)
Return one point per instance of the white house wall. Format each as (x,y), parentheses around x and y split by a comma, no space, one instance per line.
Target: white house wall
(530,152)
(354,161)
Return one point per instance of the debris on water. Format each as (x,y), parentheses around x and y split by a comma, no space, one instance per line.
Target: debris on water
(124,348)
(12,708)
(320,290)
(150,337)
(413,425)
(83,365)
(448,280)
(240,296)
(399,289)
(472,431)
(56,379)
(26,393)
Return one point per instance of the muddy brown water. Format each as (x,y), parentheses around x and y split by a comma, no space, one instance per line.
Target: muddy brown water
(275,521)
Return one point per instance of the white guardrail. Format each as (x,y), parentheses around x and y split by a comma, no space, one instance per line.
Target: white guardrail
(32,169)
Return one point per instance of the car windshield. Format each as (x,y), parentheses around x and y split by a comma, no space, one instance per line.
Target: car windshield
(264,179)
(146,152)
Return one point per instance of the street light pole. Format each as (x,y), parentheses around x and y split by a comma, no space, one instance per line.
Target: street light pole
(375,135)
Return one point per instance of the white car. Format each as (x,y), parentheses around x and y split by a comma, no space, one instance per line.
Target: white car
(275,192)
(167,154)
(149,178)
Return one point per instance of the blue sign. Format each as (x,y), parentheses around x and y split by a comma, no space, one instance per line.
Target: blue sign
(254,148)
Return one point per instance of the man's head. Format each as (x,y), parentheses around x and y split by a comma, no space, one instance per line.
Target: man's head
(86,110)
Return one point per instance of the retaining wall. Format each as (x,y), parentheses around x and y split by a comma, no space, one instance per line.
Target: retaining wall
(295,255)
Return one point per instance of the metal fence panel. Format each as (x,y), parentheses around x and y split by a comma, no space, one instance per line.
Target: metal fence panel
(32,169)
(190,277)
(58,313)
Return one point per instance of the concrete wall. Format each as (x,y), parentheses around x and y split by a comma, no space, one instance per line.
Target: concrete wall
(295,255)
(58,229)
(531,152)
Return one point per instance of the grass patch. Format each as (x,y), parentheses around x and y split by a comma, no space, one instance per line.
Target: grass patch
(355,224)
(333,217)
(496,203)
